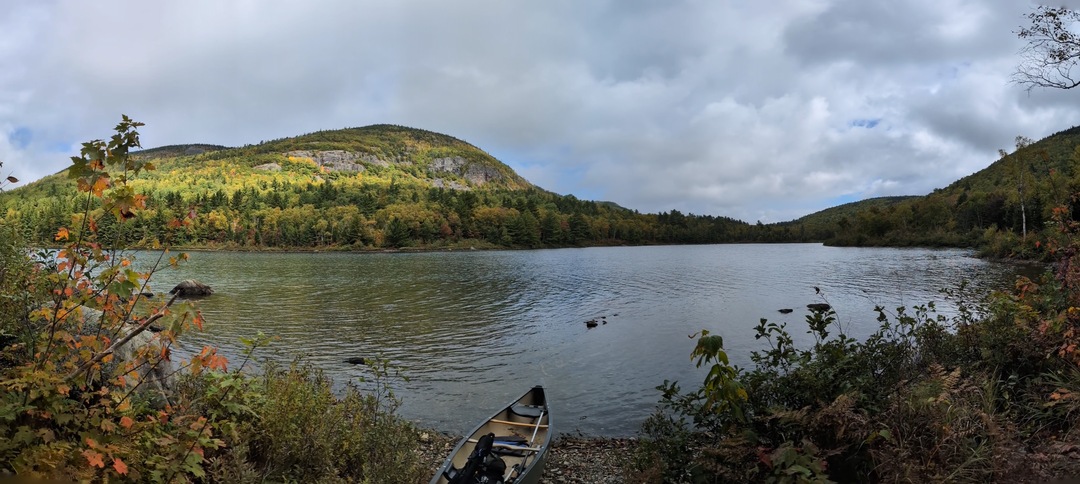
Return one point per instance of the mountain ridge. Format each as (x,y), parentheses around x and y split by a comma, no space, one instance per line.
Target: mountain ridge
(394,186)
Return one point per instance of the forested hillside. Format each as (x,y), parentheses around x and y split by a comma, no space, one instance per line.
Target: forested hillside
(361,188)
(388,186)
(1005,208)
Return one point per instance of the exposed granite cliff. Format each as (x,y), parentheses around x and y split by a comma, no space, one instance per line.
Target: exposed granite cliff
(474,174)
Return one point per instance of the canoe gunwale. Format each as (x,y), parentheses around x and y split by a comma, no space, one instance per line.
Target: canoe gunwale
(535,455)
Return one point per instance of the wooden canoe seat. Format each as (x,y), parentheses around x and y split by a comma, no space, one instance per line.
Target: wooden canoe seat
(517,424)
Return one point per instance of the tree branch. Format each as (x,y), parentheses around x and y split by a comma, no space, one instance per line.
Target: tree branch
(121,342)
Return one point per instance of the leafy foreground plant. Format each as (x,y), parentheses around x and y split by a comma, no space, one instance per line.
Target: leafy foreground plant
(924,399)
(88,390)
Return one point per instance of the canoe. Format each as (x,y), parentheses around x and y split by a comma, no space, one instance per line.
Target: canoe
(508,448)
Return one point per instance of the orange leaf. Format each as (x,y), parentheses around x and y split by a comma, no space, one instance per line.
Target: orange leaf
(218,362)
(126,422)
(120,466)
(62,234)
(100,185)
(95,459)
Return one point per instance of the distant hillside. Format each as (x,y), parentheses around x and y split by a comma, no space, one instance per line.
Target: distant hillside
(373,187)
(386,186)
(824,221)
(173,151)
(989,209)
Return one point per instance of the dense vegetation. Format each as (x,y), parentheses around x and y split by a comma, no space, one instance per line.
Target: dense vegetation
(395,189)
(991,394)
(91,388)
(1005,209)
(398,187)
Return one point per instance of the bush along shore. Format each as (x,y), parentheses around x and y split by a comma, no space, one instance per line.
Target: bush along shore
(89,390)
(989,395)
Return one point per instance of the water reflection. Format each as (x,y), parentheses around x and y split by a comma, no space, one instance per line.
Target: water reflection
(470,330)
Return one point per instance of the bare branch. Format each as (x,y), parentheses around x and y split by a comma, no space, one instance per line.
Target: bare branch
(1052,50)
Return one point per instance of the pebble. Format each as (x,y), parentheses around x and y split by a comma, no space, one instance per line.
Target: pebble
(571,460)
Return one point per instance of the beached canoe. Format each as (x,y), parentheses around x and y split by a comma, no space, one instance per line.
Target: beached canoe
(508,448)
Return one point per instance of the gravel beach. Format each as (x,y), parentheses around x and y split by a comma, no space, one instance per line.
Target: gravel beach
(571,459)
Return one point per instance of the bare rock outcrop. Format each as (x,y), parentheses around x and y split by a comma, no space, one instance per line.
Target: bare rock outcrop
(475,173)
(333,160)
(348,161)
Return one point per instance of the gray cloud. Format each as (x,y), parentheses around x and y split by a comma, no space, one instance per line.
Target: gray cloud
(751,110)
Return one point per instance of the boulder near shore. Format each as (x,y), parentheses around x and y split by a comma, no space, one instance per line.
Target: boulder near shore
(191,288)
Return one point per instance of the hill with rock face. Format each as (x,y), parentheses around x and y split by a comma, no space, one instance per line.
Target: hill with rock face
(441,160)
(373,187)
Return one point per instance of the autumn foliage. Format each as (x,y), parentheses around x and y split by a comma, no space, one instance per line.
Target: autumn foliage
(990,394)
(91,385)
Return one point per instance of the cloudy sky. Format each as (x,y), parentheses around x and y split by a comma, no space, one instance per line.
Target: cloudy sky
(755,110)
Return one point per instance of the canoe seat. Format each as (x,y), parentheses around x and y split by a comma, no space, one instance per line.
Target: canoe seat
(511,440)
(511,446)
(527,411)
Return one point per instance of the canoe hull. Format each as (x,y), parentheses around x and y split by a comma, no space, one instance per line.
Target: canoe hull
(522,433)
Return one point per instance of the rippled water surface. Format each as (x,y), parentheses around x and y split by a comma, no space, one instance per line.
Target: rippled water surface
(471,330)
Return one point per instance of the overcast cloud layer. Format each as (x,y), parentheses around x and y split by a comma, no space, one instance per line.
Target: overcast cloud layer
(755,110)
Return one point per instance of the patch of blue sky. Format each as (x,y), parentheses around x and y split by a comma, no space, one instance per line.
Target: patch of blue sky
(868,123)
(21,137)
(60,147)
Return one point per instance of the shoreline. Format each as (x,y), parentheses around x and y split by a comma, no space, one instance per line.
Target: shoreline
(571,459)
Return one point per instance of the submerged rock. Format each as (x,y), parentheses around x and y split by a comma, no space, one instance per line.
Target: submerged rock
(356,360)
(786,311)
(822,307)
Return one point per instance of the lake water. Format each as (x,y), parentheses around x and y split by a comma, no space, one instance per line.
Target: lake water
(471,330)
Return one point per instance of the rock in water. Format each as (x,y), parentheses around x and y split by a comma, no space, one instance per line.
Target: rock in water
(822,307)
(191,288)
(357,360)
(786,311)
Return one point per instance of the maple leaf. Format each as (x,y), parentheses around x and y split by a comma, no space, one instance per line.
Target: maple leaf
(126,422)
(62,234)
(100,185)
(95,459)
(120,466)
(217,362)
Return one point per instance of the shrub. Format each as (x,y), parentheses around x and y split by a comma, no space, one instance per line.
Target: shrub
(83,380)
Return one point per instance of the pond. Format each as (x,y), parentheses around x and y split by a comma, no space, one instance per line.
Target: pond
(468,331)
